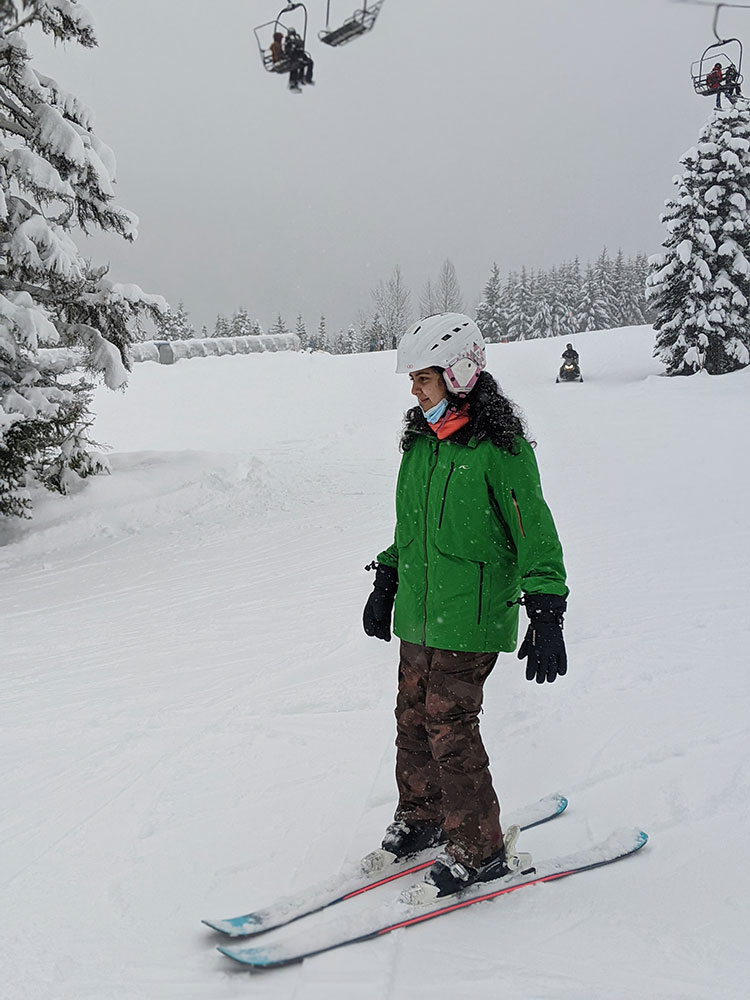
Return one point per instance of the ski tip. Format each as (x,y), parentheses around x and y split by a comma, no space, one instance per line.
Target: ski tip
(630,841)
(556,802)
(255,958)
(236,956)
(234,927)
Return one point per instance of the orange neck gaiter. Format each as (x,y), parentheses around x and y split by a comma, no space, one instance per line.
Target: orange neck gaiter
(452,421)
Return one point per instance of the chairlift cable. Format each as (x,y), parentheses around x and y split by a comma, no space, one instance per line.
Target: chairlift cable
(710,3)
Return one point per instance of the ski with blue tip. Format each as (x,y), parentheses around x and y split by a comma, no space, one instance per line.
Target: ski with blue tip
(394,915)
(353,882)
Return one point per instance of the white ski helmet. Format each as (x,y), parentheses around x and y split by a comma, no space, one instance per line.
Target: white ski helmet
(450,341)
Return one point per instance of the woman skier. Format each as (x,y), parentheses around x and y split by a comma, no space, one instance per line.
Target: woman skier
(473,533)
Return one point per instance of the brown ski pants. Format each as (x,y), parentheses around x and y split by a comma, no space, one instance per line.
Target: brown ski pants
(442,768)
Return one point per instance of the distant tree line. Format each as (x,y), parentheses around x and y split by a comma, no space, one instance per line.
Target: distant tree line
(530,305)
(522,305)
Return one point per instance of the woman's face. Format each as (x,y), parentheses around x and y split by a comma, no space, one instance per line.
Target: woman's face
(428,386)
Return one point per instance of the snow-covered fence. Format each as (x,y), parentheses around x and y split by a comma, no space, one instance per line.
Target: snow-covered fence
(169,351)
(61,359)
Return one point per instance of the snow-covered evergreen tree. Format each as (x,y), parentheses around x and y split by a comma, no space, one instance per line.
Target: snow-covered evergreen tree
(352,340)
(301,330)
(640,269)
(541,314)
(629,291)
(241,324)
(520,312)
(490,314)
(700,286)
(729,224)
(559,321)
(375,334)
(606,295)
(362,336)
(339,343)
(592,311)
(679,283)
(321,337)
(571,289)
(279,326)
(510,290)
(221,327)
(175,325)
(55,173)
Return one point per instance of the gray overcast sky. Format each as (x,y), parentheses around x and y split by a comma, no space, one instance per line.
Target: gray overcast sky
(480,130)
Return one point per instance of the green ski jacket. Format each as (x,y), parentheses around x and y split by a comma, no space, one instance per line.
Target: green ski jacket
(472,531)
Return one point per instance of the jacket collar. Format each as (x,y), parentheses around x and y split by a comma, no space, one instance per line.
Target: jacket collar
(464,436)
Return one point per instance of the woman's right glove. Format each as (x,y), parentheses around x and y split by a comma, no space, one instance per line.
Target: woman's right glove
(543,643)
(379,608)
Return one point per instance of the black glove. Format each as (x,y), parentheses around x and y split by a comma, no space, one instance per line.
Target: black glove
(543,642)
(379,608)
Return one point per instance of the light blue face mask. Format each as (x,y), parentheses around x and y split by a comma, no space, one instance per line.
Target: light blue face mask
(432,416)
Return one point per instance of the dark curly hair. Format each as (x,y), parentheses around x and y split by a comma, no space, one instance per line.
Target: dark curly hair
(491,415)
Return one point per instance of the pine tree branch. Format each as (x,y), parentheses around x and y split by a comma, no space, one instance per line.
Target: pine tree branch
(15,109)
(20,24)
(43,294)
(6,125)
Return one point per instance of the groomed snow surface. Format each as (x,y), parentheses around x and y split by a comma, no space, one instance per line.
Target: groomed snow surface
(194,723)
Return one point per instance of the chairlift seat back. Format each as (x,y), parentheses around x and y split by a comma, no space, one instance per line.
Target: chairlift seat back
(358,24)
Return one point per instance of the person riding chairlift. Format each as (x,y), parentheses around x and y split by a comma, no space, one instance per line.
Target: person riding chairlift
(300,63)
(714,81)
(731,84)
(276,47)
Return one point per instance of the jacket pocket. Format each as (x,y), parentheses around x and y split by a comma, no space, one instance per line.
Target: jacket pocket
(445,494)
(518,512)
(472,543)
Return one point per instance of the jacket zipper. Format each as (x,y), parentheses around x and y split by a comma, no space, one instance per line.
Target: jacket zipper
(518,512)
(426,509)
(481,589)
(445,494)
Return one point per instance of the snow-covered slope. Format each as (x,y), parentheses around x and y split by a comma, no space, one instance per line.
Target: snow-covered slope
(194,721)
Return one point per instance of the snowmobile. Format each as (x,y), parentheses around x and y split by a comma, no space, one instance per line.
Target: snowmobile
(569,372)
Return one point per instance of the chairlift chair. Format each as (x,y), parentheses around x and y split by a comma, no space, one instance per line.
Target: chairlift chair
(725,51)
(358,24)
(264,36)
(701,68)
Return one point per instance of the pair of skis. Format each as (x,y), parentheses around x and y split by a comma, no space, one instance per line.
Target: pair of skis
(393,915)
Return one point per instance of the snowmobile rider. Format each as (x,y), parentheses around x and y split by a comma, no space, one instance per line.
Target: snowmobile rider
(570,354)
(472,532)
(713,82)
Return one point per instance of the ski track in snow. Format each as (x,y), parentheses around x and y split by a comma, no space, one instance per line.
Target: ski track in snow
(194,722)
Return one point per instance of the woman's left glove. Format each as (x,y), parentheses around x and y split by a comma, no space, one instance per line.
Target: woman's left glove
(379,608)
(543,643)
